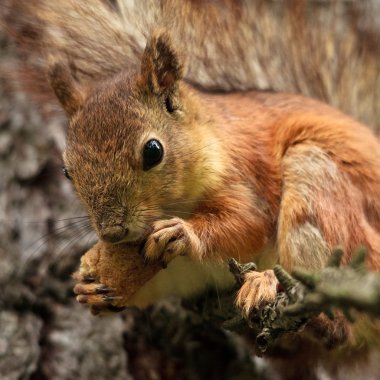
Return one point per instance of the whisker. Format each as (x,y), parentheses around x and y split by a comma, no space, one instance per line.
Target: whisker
(199,149)
(78,226)
(71,218)
(57,231)
(75,218)
(186,202)
(83,232)
(80,232)
(170,216)
(160,212)
(43,269)
(142,224)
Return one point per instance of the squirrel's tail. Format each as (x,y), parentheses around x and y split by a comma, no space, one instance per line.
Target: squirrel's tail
(328,50)
(93,35)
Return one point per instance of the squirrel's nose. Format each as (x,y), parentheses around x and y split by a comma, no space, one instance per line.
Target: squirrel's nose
(113,234)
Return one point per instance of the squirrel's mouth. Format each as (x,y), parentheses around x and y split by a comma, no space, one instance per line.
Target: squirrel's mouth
(133,235)
(131,239)
(132,242)
(136,238)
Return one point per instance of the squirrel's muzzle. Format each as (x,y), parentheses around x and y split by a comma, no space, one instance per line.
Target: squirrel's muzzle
(113,234)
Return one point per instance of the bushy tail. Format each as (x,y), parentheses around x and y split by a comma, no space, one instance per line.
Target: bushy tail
(328,50)
(91,35)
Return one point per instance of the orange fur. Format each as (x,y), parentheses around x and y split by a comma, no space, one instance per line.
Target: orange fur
(242,172)
(273,168)
(270,138)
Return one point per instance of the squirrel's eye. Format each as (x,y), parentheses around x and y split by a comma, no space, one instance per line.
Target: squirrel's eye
(66,173)
(152,154)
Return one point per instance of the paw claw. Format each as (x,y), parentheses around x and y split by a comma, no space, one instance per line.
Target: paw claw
(88,278)
(103,289)
(110,298)
(94,294)
(169,239)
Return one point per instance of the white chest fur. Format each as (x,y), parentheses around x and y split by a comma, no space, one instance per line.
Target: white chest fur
(184,278)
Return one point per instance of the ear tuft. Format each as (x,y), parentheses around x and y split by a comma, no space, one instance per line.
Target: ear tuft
(67,90)
(161,67)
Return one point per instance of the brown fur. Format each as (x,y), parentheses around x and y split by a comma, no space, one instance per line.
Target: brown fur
(241,172)
(328,50)
(118,291)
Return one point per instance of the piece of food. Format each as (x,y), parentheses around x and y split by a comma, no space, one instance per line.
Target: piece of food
(110,274)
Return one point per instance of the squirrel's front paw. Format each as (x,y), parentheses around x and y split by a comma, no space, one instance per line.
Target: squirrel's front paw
(170,238)
(95,294)
(258,289)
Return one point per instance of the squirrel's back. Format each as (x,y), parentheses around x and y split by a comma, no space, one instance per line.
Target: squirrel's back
(332,162)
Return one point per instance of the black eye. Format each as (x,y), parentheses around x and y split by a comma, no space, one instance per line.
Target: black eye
(66,173)
(152,154)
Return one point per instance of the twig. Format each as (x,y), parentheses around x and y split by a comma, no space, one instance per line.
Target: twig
(307,294)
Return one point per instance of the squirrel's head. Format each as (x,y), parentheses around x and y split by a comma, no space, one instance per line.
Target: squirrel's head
(135,146)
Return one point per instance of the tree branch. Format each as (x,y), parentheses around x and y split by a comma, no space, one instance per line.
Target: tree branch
(307,294)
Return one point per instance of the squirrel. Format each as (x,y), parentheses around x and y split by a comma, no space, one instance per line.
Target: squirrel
(213,176)
(195,177)
(257,176)
(192,179)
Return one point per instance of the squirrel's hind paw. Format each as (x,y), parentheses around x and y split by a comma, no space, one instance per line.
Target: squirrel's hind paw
(258,289)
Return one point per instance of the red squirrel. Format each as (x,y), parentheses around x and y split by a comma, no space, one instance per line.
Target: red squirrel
(214,176)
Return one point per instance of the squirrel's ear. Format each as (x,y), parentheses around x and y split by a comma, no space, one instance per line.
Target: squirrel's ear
(161,65)
(67,90)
